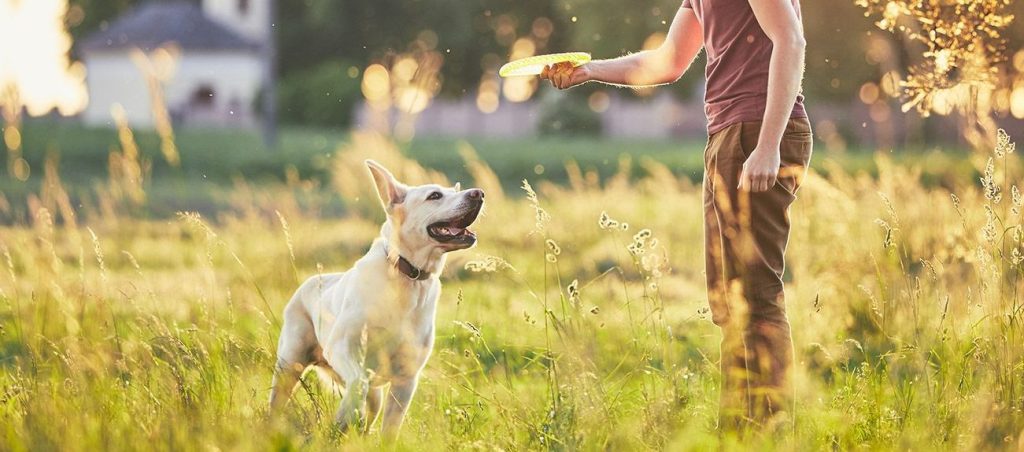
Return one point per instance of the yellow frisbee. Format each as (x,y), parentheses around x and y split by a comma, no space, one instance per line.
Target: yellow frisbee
(535,64)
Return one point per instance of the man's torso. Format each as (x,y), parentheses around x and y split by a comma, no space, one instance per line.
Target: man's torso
(738,53)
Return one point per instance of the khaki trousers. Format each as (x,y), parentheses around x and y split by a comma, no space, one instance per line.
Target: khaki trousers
(745,243)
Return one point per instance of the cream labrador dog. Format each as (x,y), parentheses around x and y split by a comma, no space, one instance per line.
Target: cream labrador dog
(372,328)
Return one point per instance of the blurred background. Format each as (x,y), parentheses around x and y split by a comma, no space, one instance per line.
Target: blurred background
(250,88)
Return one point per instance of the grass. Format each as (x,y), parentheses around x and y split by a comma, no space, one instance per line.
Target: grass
(120,329)
(214,160)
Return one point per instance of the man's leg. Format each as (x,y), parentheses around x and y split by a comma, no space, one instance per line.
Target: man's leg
(768,337)
(754,230)
(734,407)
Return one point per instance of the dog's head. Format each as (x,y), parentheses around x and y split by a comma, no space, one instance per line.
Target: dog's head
(428,215)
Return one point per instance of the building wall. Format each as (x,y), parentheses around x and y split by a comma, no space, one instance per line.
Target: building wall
(234,79)
(660,116)
(251,23)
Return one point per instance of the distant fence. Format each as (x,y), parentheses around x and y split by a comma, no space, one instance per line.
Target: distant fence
(659,116)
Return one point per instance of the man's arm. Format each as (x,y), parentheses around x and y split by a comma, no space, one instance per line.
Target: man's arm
(650,67)
(779,21)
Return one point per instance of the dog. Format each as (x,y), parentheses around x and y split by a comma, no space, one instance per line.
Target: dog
(371,329)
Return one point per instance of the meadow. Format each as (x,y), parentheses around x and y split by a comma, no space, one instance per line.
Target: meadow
(579,322)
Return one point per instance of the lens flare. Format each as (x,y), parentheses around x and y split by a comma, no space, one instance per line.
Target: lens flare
(34,59)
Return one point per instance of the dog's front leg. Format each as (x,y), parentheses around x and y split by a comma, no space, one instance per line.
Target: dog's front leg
(397,403)
(351,366)
(351,413)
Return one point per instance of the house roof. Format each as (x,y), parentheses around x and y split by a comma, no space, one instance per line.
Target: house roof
(157,23)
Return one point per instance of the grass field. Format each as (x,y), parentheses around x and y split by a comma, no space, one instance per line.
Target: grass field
(124,328)
(213,161)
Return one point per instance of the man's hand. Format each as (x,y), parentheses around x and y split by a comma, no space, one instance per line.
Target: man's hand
(760,170)
(564,75)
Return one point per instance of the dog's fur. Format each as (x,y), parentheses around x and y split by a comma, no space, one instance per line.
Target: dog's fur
(372,328)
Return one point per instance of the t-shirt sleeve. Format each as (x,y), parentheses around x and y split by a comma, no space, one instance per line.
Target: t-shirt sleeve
(686,4)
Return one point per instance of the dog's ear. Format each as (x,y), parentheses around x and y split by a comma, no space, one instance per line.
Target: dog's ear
(390,190)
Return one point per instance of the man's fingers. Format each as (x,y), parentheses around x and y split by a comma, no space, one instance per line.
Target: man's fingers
(764,182)
(546,72)
(563,80)
(561,75)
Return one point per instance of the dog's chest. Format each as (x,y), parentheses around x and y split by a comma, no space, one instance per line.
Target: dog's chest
(400,337)
(398,352)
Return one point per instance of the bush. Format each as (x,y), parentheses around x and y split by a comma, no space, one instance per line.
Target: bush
(324,95)
(566,114)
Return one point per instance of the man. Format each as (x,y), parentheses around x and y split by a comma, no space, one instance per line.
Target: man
(758,148)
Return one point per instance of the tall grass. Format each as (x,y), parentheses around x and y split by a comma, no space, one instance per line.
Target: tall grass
(579,322)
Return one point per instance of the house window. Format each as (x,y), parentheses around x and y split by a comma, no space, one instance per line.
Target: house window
(243,7)
(203,96)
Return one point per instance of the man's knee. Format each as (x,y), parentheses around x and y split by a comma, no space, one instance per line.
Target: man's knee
(767,304)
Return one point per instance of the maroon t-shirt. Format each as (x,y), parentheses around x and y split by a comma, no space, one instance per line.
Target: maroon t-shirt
(738,54)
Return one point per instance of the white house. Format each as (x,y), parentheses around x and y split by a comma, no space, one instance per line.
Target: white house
(215,76)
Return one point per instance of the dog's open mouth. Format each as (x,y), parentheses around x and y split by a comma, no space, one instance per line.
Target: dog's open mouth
(455,230)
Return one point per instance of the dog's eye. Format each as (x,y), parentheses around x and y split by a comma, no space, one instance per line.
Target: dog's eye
(434,196)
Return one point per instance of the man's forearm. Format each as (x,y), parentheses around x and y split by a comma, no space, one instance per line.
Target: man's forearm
(646,68)
(785,72)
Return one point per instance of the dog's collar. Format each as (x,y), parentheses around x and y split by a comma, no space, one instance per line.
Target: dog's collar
(407,268)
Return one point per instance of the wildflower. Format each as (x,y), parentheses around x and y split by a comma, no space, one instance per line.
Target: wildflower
(988,182)
(473,330)
(531,195)
(488,264)
(1003,144)
(606,222)
(989,231)
(553,247)
(1016,200)
(638,246)
(888,240)
(551,258)
(574,292)
(635,249)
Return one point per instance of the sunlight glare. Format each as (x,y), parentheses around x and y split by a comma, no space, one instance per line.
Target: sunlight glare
(34,57)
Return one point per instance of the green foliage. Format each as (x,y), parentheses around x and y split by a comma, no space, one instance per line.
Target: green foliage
(324,95)
(568,115)
(465,32)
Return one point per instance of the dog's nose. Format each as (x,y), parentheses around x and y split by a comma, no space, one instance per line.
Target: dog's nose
(475,194)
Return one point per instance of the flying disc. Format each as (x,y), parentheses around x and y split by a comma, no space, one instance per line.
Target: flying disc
(535,65)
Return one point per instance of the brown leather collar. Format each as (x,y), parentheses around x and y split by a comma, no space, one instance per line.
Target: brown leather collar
(406,268)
